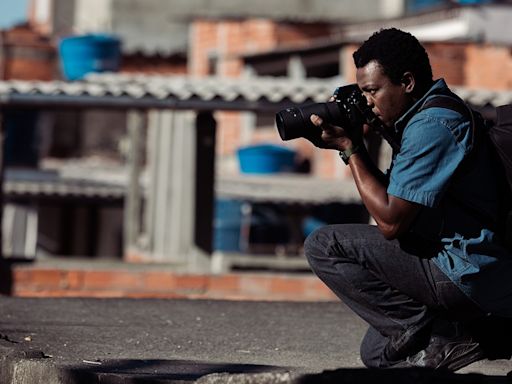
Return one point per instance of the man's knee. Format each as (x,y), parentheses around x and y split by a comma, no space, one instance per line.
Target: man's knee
(331,240)
(316,246)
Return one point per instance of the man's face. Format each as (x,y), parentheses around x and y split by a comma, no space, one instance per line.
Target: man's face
(388,101)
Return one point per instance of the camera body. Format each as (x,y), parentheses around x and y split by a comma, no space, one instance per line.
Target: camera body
(349,110)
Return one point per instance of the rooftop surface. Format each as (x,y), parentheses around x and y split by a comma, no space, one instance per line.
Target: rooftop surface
(85,340)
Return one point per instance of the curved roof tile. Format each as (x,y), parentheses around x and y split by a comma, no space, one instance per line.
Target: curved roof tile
(221,91)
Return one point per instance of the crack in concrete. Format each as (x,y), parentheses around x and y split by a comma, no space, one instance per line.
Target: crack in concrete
(6,338)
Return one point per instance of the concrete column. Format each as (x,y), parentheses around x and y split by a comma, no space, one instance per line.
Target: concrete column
(296,68)
(133,199)
(169,213)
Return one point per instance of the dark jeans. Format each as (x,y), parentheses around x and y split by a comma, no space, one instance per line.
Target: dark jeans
(401,294)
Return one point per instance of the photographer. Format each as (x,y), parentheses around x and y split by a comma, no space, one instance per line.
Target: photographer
(431,268)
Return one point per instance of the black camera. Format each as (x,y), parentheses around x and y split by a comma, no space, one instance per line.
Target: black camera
(349,110)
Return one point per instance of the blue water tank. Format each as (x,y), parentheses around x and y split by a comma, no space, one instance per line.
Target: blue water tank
(266,158)
(474,1)
(424,5)
(80,55)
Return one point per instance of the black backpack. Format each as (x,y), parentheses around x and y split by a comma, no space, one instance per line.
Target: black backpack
(501,138)
(498,135)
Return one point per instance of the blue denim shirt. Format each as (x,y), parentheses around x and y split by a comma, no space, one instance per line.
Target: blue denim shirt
(433,144)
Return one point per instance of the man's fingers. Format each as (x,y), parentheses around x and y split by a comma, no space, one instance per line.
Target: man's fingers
(327,129)
(316,120)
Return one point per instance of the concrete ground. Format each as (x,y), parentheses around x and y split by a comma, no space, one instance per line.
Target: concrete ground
(69,341)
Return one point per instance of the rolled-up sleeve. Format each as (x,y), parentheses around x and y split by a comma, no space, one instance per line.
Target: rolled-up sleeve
(429,156)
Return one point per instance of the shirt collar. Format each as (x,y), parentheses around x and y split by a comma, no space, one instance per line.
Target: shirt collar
(404,119)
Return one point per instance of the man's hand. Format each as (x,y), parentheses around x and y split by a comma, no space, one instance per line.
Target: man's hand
(333,136)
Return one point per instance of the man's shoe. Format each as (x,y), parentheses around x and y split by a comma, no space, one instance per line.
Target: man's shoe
(448,351)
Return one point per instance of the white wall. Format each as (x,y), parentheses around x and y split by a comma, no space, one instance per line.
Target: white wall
(93,16)
(392,8)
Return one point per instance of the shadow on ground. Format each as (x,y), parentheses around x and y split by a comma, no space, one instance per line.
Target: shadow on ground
(182,371)
(5,277)
(6,267)
(399,376)
(157,371)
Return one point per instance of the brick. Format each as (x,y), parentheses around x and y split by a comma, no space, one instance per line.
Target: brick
(158,281)
(74,280)
(21,276)
(254,285)
(288,285)
(197,283)
(173,283)
(223,284)
(97,280)
(38,279)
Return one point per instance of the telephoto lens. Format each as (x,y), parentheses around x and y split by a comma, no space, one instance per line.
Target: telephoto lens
(294,122)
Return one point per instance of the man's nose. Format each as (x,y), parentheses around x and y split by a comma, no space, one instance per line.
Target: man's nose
(369,100)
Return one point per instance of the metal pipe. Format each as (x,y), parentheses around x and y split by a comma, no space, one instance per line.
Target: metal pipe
(125,102)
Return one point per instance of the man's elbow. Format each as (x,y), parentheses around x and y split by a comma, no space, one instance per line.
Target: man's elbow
(390,231)
(397,218)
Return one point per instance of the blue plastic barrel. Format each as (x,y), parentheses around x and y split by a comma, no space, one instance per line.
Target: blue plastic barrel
(226,225)
(475,1)
(311,224)
(266,158)
(80,55)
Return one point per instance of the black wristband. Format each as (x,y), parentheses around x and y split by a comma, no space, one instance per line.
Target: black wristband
(345,155)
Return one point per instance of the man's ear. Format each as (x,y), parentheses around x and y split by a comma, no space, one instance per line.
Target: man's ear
(408,81)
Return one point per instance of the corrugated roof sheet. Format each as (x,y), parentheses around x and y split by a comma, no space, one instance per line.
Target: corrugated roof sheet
(169,92)
(23,183)
(181,92)
(75,182)
(287,188)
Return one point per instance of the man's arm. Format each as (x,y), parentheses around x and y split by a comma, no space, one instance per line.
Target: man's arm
(393,215)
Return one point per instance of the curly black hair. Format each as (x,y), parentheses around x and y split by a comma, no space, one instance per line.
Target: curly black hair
(397,52)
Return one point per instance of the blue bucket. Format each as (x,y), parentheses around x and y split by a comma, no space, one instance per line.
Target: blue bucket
(80,55)
(266,158)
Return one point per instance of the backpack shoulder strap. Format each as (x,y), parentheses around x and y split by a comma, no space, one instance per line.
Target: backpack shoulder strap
(450,101)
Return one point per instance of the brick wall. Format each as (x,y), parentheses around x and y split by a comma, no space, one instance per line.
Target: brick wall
(300,34)
(47,281)
(448,61)
(489,67)
(224,41)
(174,65)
